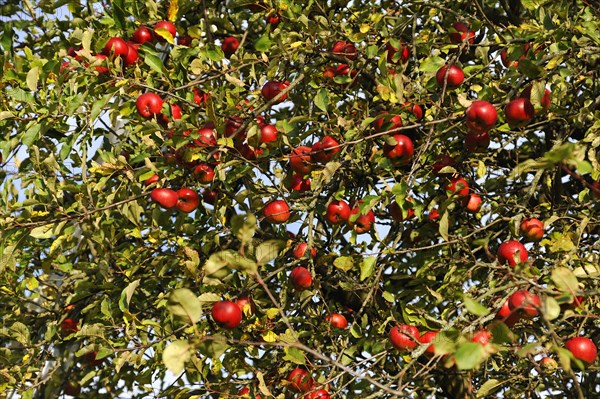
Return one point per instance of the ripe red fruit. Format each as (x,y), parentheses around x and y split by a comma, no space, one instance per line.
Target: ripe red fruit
(142,35)
(268,134)
(583,349)
(329,72)
(115,47)
(404,336)
(337,212)
(132,55)
(482,337)
(245,302)
(230,45)
(300,380)
(204,173)
(481,116)
(525,303)
(165,197)
(456,76)
(301,278)
(318,394)
(386,123)
(200,97)
(300,160)
(442,162)
(210,196)
(167,26)
(434,215)
(391,53)
(532,229)
(100,61)
(345,49)
(245,391)
(207,136)
(415,109)
(276,212)
(512,252)
(427,339)
(458,186)
(300,250)
(149,104)
(473,203)
(323,151)
(69,325)
(185,40)
(545,101)
(272,88)
(461,33)
(548,363)
(151,180)
(227,314)
(232,129)
(273,20)
(513,64)
(519,112)
(363,223)
(337,320)
(505,314)
(396,212)
(477,142)
(188,200)
(401,152)
(299,183)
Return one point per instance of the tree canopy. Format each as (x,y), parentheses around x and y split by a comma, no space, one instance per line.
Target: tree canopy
(309,199)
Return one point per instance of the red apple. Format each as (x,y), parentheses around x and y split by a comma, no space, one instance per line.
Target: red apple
(300,160)
(512,252)
(481,116)
(230,45)
(185,40)
(455,78)
(301,278)
(100,61)
(204,173)
(149,105)
(323,151)
(164,25)
(115,47)
(268,134)
(207,136)
(386,122)
(142,35)
(401,152)
(545,100)
(458,186)
(273,20)
(337,320)
(338,212)
(345,49)
(272,88)
(461,33)
(415,109)
(300,250)
(300,380)
(151,180)
(506,315)
(397,214)
(404,336)
(391,53)
(482,337)
(165,197)
(477,142)
(227,314)
(277,212)
(132,55)
(200,97)
(210,196)
(519,112)
(513,64)
(548,363)
(233,129)
(427,339)
(473,203)
(433,215)
(188,200)
(532,229)
(363,223)
(442,162)
(524,303)
(69,325)
(245,302)
(318,394)
(583,349)
(329,72)
(299,183)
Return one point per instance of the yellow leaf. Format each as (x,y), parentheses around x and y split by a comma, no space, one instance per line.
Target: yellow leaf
(364,28)
(172,11)
(296,44)
(269,336)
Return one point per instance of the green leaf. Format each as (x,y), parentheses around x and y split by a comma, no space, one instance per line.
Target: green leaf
(32,134)
(294,355)
(322,99)
(344,263)
(269,250)
(6,115)
(469,355)
(32,78)
(565,280)
(263,43)
(443,227)
(154,62)
(367,267)
(488,387)
(183,303)
(214,53)
(475,307)
(20,95)
(432,64)
(214,347)
(551,308)
(175,355)
(244,226)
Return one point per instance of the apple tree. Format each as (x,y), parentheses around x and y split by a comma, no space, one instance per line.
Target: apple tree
(299,199)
